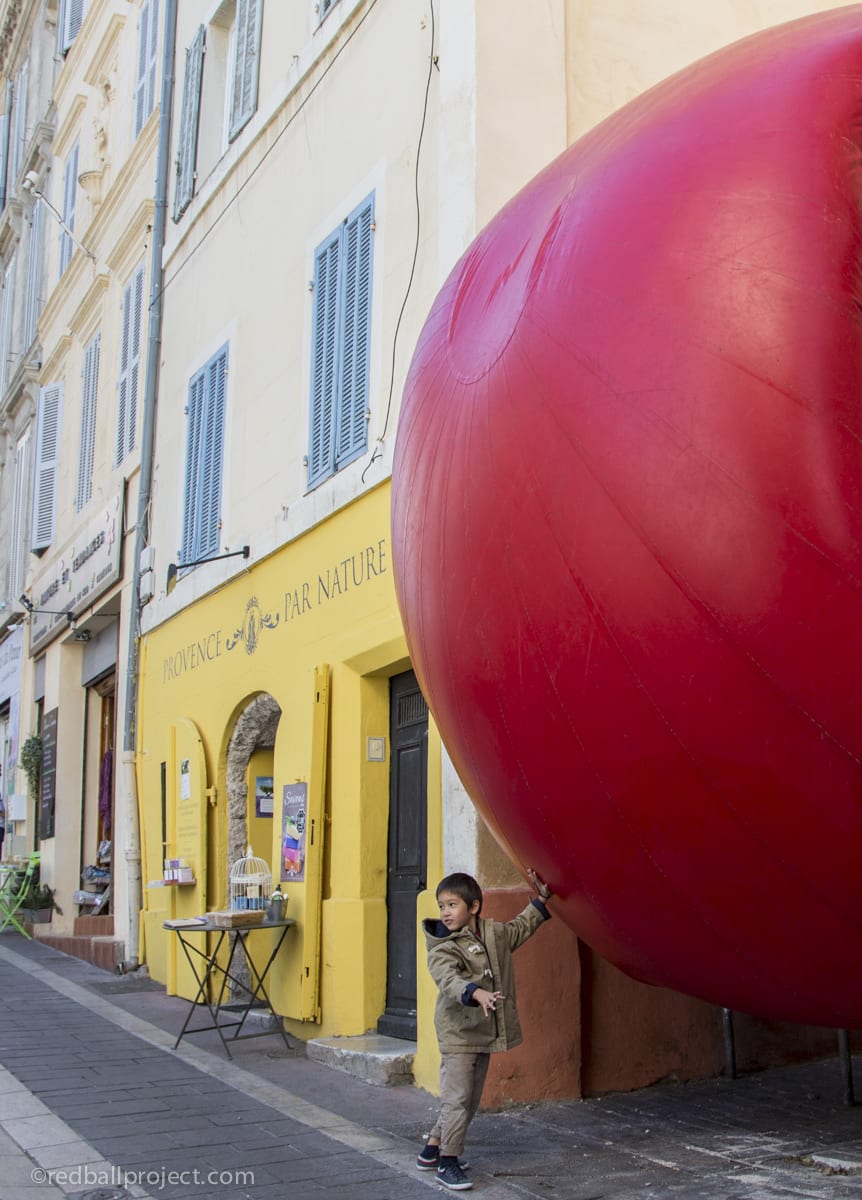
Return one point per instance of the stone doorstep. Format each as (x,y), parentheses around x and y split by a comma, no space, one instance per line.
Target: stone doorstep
(103,952)
(383,1061)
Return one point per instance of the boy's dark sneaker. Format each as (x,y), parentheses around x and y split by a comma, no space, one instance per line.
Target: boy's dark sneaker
(428,1159)
(452,1177)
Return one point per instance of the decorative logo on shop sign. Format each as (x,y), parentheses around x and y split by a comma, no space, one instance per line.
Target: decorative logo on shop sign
(254,621)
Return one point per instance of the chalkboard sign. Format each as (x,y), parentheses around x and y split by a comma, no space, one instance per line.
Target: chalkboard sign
(48,788)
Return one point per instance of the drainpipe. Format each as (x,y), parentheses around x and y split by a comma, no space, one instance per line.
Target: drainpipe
(151,384)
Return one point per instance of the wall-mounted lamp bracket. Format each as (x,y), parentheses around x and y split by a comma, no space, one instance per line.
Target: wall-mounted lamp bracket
(175,568)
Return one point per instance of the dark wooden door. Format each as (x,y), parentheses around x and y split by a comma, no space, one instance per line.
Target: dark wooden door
(408,806)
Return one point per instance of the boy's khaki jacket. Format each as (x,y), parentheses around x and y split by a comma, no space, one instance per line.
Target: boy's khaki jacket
(457,960)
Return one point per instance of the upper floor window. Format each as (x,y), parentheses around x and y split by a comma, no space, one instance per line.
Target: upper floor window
(245,62)
(69,20)
(204,459)
(70,194)
(19,515)
(33,295)
(48,420)
(128,381)
(341,345)
(87,443)
(187,148)
(6,314)
(145,81)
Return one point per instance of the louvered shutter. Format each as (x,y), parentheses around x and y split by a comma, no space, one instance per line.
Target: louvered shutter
(128,382)
(187,148)
(355,335)
(47,465)
(6,311)
(324,363)
(246,64)
(19,130)
(197,391)
(5,135)
(145,80)
(70,195)
(212,456)
(34,278)
(89,393)
(19,515)
(71,16)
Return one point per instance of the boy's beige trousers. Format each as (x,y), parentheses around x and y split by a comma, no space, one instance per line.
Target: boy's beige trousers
(462,1077)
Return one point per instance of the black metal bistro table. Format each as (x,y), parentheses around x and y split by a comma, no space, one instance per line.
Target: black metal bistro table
(205,966)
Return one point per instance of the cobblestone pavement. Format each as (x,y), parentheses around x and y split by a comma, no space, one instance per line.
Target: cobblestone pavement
(95,1103)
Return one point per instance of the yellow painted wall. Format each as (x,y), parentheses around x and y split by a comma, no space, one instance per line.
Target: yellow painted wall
(326,598)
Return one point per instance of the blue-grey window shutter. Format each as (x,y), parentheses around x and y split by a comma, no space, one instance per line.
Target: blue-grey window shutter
(19,126)
(324,7)
(89,393)
(70,18)
(32,299)
(341,344)
(145,80)
(205,459)
(187,148)
(70,194)
(351,423)
(5,135)
(213,456)
(246,64)
(128,380)
(324,362)
(197,389)
(47,465)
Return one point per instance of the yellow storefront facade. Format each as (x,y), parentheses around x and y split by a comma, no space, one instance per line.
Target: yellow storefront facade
(283,675)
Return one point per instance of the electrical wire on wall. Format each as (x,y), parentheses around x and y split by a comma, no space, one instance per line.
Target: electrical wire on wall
(432,63)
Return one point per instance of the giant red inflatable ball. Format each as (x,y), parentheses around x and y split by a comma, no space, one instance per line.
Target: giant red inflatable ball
(627,526)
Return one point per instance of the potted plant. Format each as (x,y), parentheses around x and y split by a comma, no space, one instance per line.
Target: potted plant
(30,762)
(39,904)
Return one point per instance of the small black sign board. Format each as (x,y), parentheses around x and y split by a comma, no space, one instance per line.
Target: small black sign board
(48,789)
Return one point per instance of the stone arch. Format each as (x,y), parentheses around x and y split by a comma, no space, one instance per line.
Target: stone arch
(255,729)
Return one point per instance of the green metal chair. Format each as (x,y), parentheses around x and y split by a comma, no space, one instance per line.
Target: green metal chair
(14,890)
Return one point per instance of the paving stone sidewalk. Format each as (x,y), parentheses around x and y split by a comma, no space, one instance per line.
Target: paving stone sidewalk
(93,1053)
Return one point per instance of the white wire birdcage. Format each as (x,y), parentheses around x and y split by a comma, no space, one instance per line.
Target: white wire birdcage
(250,882)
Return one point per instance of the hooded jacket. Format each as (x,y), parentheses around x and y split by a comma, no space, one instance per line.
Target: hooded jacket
(462,961)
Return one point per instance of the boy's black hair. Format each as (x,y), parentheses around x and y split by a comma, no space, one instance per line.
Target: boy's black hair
(463,886)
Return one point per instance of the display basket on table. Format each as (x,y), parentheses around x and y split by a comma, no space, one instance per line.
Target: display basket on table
(250,886)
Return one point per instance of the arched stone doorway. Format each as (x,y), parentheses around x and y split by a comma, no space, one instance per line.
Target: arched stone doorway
(254,731)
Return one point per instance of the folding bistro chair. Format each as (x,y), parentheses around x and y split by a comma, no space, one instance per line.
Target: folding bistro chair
(14,892)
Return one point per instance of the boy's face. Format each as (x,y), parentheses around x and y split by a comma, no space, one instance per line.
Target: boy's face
(455,913)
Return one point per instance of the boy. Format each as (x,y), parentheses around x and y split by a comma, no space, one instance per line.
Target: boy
(470,960)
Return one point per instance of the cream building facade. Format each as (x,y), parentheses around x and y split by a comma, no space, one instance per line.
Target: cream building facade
(329,163)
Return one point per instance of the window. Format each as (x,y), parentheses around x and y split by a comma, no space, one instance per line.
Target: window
(145,83)
(130,366)
(33,299)
(204,459)
(6,311)
(19,515)
(5,128)
(89,393)
(18,132)
(70,193)
(341,344)
(323,7)
(187,148)
(69,22)
(245,63)
(49,415)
